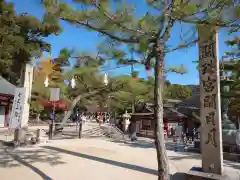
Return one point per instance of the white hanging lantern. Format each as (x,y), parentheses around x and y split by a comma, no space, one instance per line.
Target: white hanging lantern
(105,81)
(73,83)
(46,82)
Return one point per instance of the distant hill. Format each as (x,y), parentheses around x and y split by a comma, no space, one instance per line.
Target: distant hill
(195,88)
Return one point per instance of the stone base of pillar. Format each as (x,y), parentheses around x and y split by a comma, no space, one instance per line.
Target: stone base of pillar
(38,134)
(20,135)
(196,173)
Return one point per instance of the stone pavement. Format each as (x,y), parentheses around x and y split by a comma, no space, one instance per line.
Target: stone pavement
(91,159)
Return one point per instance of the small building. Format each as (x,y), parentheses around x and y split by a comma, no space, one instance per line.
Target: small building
(7,91)
(145,123)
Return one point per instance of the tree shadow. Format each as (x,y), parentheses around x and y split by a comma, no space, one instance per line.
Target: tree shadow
(11,158)
(146,144)
(135,144)
(176,176)
(106,161)
(34,169)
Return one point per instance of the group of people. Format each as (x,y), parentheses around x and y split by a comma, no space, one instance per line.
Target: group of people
(79,117)
(187,135)
(99,117)
(102,118)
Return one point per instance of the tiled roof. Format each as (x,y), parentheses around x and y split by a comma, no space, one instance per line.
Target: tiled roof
(169,112)
(190,107)
(193,102)
(189,111)
(6,87)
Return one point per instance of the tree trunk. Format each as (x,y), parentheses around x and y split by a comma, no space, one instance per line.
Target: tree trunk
(74,103)
(163,169)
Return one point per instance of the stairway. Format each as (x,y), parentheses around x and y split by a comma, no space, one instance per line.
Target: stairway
(115,133)
(93,130)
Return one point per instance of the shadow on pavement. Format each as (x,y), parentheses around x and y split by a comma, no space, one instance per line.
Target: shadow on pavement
(135,144)
(34,169)
(11,158)
(176,176)
(148,144)
(107,161)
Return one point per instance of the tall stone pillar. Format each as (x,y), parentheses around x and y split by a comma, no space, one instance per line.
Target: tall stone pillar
(27,83)
(210,106)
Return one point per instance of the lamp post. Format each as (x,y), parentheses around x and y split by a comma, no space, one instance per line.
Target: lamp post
(73,85)
(132,71)
(50,132)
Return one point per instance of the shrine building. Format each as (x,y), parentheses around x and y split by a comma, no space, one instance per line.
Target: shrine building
(7,91)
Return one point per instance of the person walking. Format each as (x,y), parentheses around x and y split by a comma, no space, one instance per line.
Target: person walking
(193,134)
(83,118)
(100,118)
(104,118)
(187,134)
(132,131)
(51,118)
(129,129)
(77,118)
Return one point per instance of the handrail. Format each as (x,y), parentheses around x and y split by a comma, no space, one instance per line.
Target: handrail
(119,130)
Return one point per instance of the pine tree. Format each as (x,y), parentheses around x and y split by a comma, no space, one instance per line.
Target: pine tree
(232,66)
(117,24)
(21,38)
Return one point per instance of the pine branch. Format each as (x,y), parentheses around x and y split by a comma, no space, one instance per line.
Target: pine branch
(116,22)
(204,10)
(212,6)
(167,10)
(182,46)
(89,26)
(206,22)
(168,29)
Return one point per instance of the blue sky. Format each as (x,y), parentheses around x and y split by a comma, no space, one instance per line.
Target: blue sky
(82,40)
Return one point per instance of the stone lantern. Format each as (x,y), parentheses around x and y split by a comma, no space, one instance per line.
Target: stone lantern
(126,120)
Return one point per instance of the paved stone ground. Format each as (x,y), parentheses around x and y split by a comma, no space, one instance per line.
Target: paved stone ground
(86,159)
(94,158)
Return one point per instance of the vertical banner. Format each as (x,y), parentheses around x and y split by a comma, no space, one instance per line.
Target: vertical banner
(210,108)
(17,108)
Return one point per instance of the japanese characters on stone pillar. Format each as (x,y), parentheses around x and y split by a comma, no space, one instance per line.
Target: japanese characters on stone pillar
(210,112)
(17,108)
